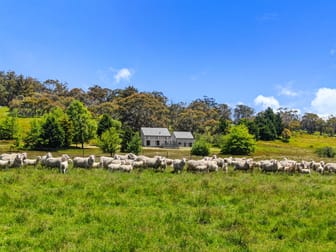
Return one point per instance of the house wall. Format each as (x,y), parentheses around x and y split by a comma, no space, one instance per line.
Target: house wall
(182,142)
(155,141)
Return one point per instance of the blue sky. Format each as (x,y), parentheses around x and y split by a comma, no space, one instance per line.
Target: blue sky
(259,53)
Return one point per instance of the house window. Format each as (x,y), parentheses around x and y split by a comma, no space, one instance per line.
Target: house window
(185,144)
(157,143)
(190,144)
(148,143)
(179,143)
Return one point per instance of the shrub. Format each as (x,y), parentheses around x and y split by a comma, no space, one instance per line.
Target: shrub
(326,152)
(200,148)
(239,141)
(286,135)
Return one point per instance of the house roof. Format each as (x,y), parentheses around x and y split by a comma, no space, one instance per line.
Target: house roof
(183,135)
(155,131)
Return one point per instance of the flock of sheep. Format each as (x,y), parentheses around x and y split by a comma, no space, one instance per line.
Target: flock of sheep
(128,162)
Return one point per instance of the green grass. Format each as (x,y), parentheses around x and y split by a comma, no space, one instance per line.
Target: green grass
(97,210)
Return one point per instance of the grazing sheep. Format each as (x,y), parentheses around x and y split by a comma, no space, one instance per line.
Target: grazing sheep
(96,165)
(138,164)
(315,165)
(154,162)
(4,163)
(15,159)
(64,166)
(44,158)
(197,166)
(243,165)
(212,166)
(287,163)
(114,167)
(126,168)
(201,168)
(178,165)
(32,162)
(169,161)
(58,162)
(191,164)
(105,161)
(320,169)
(269,165)
(163,165)
(330,167)
(84,162)
(304,170)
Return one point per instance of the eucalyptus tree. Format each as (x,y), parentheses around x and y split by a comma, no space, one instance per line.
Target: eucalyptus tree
(83,125)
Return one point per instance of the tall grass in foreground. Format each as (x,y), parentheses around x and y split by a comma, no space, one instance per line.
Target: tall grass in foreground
(97,210)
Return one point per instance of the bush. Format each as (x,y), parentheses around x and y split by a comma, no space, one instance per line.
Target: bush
(286,135)
(200,148)
(326,152)
(239,141)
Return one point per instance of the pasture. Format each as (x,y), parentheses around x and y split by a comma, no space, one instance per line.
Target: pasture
(96,210)
(90,210)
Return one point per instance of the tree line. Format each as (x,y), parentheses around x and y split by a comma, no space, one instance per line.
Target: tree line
(29,97)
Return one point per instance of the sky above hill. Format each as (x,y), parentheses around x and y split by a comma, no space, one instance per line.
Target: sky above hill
(259,53)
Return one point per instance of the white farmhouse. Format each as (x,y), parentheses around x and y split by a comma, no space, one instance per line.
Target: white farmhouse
(155,137)
(182,138)
(161,137)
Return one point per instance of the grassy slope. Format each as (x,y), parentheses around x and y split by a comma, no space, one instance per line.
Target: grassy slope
(98,210)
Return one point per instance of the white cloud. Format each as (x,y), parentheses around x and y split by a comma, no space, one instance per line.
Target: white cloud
(123,74)
(266,102)
(324,102)
(287,90)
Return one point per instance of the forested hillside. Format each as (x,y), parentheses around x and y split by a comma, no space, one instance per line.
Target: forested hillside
(29,97)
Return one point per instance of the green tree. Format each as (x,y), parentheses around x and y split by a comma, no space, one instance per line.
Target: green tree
(242,111)
(200,147)
(83,125)
(127,135)
(9,128)
(33,139)
(110,141)
(239,141)
(268,124)
(106,122)
(310,122)
(143,110)
(52,133)
(135,145)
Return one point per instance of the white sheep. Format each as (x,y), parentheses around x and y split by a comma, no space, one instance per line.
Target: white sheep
(64,166)
(178,165)
(126,168)
(84,162)
(138,164)
(105,161)
(32,162)
(15,159)
(114,167)
(58,162)
(212,166)
(4,163)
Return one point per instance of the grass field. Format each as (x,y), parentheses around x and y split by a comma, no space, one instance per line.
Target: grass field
(97,210)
